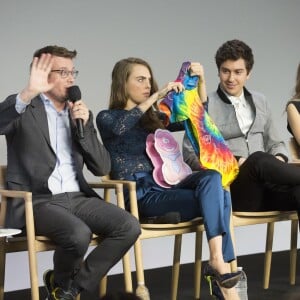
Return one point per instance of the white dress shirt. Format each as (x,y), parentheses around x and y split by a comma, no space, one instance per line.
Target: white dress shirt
(243,111)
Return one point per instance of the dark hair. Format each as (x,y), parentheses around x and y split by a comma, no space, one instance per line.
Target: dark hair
(234,50)
(56,51)
(120,296)
(118,94)
(297,86)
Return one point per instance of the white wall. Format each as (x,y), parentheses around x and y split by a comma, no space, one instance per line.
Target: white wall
(165,33)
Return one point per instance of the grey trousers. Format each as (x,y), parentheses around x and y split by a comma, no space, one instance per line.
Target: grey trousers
(70,219)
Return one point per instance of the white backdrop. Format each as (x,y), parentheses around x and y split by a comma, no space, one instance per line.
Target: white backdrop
(165,33)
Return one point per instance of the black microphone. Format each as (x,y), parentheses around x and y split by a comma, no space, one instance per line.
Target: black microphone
(74,94)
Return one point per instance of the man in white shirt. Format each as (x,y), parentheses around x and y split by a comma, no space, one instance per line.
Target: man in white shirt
(265,181)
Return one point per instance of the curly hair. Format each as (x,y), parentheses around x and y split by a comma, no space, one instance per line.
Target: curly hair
(234,50)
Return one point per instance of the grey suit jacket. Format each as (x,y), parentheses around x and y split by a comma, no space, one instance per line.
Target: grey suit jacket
(31,159)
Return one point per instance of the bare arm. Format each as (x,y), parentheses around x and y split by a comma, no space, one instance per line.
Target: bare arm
(196,69)
(293,118)
(175,86)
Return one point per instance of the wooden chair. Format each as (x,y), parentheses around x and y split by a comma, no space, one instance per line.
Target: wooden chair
(160,230)
(240,218)
(33,244)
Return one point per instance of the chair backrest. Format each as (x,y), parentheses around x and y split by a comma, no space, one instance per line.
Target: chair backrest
(294,150)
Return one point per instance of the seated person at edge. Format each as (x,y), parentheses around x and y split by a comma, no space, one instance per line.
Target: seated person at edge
(293,110)
(265,181)
(124,128)
(46,157)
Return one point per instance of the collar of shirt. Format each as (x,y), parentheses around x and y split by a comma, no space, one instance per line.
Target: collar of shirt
(48,103)
(237,102)
(244,113)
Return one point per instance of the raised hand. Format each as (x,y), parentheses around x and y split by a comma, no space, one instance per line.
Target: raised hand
(196,69)
(38,80)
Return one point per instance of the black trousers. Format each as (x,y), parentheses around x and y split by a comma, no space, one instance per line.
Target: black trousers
(69,219)
(266,183)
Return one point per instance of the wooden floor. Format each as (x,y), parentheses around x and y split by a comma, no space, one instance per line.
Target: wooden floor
(158,281)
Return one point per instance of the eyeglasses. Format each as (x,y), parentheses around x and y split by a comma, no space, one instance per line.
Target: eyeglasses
(65,73)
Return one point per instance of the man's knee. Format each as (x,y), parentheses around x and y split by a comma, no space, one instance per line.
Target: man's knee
(257,156)
(131,228)
(135,228)
(78,242)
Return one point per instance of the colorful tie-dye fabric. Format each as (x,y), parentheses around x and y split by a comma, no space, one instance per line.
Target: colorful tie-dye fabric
(202,132)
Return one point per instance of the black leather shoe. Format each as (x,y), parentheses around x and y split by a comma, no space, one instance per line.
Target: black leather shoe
(172,217)
(227,280)
(216,291)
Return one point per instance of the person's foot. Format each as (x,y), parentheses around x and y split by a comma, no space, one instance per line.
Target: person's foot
(54,292)
(60,294)
(48,279)
(226,280)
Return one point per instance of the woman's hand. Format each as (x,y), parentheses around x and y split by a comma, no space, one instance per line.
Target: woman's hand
(196,69)
(175,86)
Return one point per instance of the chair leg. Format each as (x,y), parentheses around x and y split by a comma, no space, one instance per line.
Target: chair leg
(33,276)
(198,263)
(127,272)
(233,264)
(293,253)
(2,267)
(176,266)
(268,255)
(141,289)
(103,286)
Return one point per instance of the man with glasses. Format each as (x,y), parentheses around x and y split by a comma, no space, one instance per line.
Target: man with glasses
(46,157)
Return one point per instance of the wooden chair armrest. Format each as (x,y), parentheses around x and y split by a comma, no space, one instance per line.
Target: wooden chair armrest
(105,185)
(110,185)
(128,183)
(8,195)
(295,162)
(131,186)
(15,194)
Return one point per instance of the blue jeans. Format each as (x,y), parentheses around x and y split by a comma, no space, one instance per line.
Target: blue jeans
(199,195)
